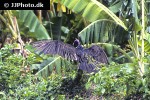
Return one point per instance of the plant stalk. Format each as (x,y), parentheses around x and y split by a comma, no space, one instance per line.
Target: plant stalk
(9,26)
(142,37)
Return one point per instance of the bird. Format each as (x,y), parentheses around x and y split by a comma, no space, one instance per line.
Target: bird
(75,52)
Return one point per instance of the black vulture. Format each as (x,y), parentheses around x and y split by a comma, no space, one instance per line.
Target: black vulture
(77,53)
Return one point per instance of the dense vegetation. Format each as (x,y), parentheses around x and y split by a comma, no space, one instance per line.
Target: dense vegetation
(120,27)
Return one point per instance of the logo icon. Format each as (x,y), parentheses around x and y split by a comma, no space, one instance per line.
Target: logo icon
(6,5)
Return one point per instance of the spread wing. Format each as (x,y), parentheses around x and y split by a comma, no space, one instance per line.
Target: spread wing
(97,53)
(69,52)
(54,47)
(86,56)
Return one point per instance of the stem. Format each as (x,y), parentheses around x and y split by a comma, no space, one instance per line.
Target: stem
(39,15)
(49,19)
(123,52)
(133,48)
(142,37)
(10,19)
(9,26)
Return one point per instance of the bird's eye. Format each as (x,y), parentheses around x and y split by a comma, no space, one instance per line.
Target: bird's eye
(93,50)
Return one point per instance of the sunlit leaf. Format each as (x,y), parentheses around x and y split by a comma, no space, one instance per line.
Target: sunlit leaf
(29,20)
(92,10)
(52,64)
(102,31)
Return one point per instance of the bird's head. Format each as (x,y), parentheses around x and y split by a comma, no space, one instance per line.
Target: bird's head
(76,43)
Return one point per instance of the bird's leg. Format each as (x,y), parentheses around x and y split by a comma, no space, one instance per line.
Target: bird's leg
(78,76)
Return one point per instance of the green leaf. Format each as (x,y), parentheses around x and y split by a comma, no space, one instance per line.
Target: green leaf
(146,45)
(116,7)
(28,19)
(91,10)
(147,37)
(61,97)
(88,85)
(102,31)
(65,29)
(3,95)
(103,91)
(52,64)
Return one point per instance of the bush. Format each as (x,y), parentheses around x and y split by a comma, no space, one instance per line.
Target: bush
(118,81)
(16,80)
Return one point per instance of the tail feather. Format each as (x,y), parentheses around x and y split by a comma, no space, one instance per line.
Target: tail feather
(87,67)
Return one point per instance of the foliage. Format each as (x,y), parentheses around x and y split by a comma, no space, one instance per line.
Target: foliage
(146,43)
(54,64)
(94,22)
(92,10)
(29,21)
(9,72)
(102,31)
(119,81)
(16,82)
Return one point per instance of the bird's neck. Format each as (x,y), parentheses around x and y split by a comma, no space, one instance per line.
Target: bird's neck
(80,47)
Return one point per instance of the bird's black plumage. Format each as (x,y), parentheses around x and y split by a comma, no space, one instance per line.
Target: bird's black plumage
(79,54)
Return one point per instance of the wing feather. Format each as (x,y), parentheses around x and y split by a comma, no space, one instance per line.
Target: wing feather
(97,53)
(54,47)
(69,52)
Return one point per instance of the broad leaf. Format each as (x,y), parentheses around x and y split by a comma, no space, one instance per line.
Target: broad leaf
(102,31)
(92,10)
(146,43)
(146,46)
(53,64)
(28,19)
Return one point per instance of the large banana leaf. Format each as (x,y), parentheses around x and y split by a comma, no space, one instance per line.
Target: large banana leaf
(53,64)
(35,29)
(102,31)
(92,10)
